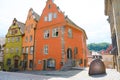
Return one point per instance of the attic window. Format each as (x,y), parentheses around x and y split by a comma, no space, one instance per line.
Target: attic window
(50,17)
(49,6)
(55,15)
(45,18)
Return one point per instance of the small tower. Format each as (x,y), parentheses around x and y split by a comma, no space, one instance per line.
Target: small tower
(14,21)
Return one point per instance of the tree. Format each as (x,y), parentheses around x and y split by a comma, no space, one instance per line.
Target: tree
(98,46)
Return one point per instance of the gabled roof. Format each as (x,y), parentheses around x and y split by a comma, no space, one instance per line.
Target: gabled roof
(35,15)
(21,26)
(79,28)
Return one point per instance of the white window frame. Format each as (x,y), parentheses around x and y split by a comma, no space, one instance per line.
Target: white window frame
(26,50)
(46,49)
(55,32)
(55,15)
(31,50)
(17,39)
(11,50)
(50,17)
(17,50)
(45,18)
(46,33)
(13,39)
(70,35)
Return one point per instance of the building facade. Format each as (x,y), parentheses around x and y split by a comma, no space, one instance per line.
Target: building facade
(13,46)
(29,40)
(112,10)
(2,43)
(60,43)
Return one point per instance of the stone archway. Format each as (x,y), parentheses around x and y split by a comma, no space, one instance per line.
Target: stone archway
(69,53)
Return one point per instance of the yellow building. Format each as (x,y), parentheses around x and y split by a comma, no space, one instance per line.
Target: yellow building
(112,10)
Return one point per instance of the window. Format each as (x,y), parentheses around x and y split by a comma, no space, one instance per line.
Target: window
(46,49)
(69,33)
(51,63)
(17,50)
(8,62)
(45,18)
(80,61)
(49,6)
(12,39)
(75,50)
(11,50)
(50,17)
(55,32)
(23,50)
(8,39)
(15,31)
(30,38)
(26,49)
(55,15)
(31,50)
(7,50)
(46,34)
(26,39)
(30,64)
(10,32)
(17,39)
(39,61)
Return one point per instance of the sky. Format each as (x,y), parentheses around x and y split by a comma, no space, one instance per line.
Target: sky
(87,14)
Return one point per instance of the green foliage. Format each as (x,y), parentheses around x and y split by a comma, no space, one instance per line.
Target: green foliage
(98,46)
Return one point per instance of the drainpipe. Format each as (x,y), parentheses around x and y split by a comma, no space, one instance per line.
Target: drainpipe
(63,44)
(34,49)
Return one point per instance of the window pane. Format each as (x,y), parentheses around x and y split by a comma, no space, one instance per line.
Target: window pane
(26,50)
(45,49)
(69,33)
(17,50)
(50,17)
(55,15)
(46,34)
(45,18)
(30,38)
(31,50)
(55,32)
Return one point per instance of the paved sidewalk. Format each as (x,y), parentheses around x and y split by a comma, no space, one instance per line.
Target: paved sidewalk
(111,74)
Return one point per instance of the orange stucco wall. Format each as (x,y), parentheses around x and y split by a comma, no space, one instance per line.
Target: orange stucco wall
(54,43)
(30,26)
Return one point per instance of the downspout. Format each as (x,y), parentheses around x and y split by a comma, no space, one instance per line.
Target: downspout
(34,49)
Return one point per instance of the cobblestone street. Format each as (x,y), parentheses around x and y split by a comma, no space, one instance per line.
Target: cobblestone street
(112,74)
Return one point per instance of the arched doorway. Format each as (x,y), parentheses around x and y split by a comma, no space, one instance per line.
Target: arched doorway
(69,53)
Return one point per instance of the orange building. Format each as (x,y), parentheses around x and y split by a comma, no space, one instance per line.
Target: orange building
(29,40)
(60,43)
